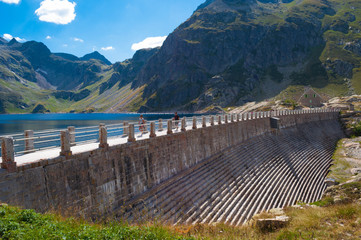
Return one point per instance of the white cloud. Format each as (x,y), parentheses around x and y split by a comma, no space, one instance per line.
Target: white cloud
(56,11)
(8,37)
(78,40)
(48,37)
(150,42)
(10,1)
(107,48)
(65,45)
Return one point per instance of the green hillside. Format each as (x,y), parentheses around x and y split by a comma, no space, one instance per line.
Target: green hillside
(229,52)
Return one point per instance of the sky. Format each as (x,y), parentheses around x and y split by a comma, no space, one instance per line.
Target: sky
(115,28)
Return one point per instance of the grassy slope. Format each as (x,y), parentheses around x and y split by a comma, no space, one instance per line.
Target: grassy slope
(27,224)
(32,95)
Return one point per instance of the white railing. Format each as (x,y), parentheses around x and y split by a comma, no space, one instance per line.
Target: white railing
(30,141)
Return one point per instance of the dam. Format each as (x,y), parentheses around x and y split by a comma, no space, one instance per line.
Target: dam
(221,169)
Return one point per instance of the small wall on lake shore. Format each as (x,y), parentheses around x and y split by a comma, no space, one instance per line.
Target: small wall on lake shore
(99,181)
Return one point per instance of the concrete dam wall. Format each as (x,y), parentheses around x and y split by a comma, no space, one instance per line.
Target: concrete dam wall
(220,173)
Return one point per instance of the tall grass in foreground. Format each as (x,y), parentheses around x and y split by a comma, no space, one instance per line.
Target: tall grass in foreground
(27,224)
(332,222)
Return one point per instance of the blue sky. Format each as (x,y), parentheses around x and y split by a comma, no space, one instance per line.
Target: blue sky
(115,28)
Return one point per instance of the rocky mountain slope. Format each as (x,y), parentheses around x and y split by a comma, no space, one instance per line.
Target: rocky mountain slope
(228,53)
(232,51)
(32,79)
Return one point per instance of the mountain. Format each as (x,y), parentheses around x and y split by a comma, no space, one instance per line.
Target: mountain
(3,41)
(67,56)
(230,52)
(33,78)
(96,55)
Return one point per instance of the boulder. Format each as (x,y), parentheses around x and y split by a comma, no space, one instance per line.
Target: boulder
(356,171)
(272,224)
(330,182)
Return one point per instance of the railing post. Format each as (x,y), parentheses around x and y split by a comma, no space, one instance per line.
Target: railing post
(29,141)
(194,123)
(71,130)
(65,143)
(152,130)
(169,127)
(103,137)
(226,118)
(183,124)
(131,134)
(219,119)
(7,155)
(204,124)
(211,120)
(160,125)
(238,118)
(125,129)
(232,117)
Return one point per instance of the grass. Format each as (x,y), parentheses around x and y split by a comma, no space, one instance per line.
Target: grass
(340,170)
(27,224)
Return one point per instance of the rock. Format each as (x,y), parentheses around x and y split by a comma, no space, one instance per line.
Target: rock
(39,109)
(340,67)
(272,224)
(354,47)
(277,211)
(330,182)
(355,171)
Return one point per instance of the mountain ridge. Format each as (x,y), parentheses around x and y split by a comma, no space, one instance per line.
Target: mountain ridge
(229,52)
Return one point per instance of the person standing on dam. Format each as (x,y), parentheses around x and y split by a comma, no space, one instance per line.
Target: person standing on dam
(176,120)
(141,124)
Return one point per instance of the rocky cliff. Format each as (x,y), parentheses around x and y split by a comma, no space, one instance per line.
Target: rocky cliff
(227,52)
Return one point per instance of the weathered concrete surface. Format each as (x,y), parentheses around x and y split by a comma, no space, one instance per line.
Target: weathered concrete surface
(96,182)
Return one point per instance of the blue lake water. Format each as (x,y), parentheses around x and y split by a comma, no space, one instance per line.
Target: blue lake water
(18,123)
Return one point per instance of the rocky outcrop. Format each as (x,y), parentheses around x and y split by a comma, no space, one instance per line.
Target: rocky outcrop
(340,67)
(221,53)
(354,47)
(39,108)
(71,95)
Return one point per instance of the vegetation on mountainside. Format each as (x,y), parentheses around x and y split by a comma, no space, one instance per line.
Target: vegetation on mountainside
(223,56)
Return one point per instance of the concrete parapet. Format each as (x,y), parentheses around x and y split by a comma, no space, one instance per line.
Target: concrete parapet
(169,127)
(194,123)
(103,137)
(152,130)
(131,136)
(71,130)
(7,155)
(29,141)
(65,143)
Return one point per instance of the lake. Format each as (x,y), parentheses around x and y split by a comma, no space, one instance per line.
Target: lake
(18,123)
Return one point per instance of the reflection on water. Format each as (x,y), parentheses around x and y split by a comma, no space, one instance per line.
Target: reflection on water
(18,123)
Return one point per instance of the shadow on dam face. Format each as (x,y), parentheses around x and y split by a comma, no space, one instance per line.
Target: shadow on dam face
(268,171)
(221,173)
